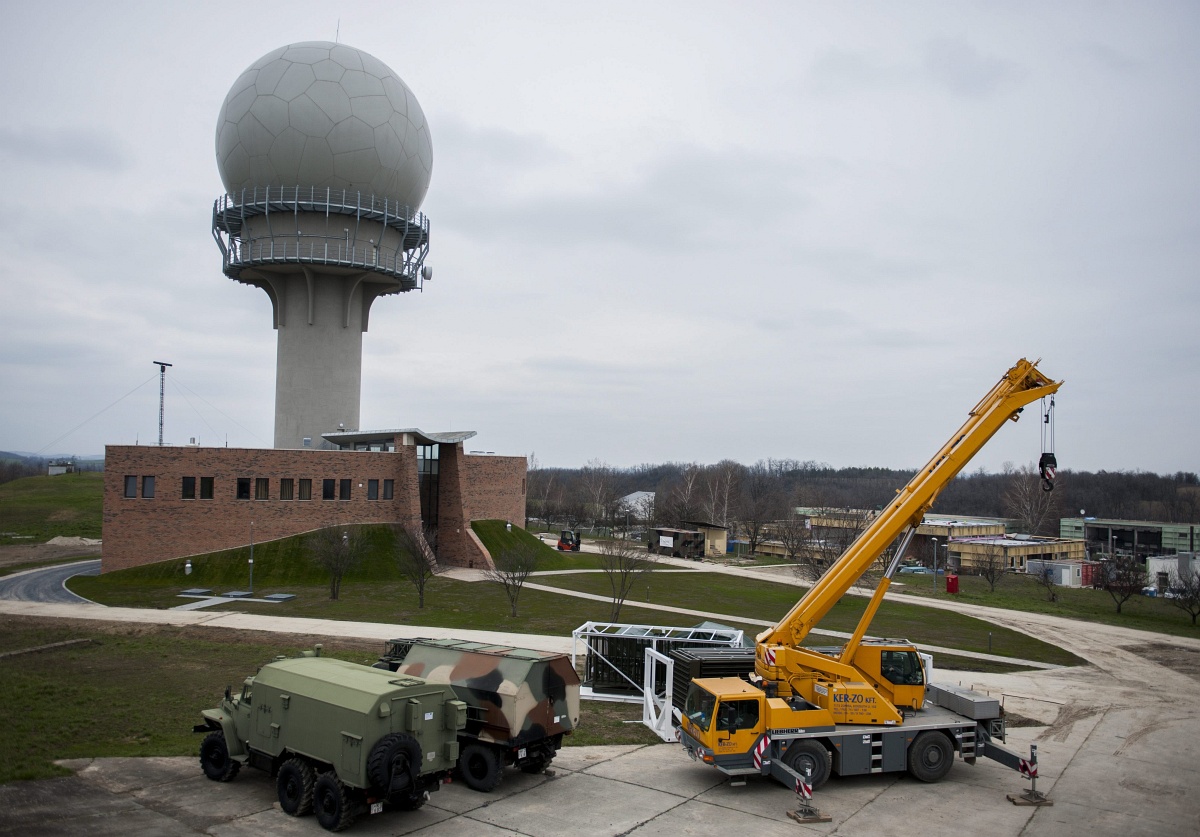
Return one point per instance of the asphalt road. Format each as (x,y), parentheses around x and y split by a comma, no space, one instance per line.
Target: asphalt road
(47,584)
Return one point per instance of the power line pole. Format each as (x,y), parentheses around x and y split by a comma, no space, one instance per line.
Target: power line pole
(162,381)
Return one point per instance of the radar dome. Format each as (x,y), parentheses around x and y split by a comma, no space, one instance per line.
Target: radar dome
(325,115)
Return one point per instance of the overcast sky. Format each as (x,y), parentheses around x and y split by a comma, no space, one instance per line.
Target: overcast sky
(661,231)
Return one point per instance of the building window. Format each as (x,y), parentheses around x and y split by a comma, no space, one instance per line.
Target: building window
(305,489)
(344,490)
(285,489)
(189,488)
(262,489)
(130,486)
(327,489)
(372,489)
(243,488)
(206,488)
(387,489)
(147,488)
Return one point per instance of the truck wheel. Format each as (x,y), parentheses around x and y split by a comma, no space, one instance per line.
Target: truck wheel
(538,765)
(810,755)
(931,756)
(330,803)
(394,752)
(215,758)
(295,786)
(480,767)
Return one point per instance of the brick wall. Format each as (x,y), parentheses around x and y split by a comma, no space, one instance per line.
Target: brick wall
(140,530)
(495,488)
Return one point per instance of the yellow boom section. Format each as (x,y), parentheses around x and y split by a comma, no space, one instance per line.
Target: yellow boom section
(1021,385)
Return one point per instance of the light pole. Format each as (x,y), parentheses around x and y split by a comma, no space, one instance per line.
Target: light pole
(934,564)
(251,556)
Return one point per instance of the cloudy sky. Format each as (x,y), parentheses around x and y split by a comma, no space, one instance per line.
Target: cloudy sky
(661,231)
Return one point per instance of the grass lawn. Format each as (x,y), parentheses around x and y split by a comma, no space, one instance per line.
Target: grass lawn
(45,507)
(137,691)
(764,600)
(1020,592)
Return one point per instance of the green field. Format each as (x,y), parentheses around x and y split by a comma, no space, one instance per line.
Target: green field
(137,691)
(41,508)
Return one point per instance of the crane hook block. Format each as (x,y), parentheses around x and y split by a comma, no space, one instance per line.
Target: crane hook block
(1048,466)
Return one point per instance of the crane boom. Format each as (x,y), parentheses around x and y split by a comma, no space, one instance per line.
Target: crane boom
(1021,385)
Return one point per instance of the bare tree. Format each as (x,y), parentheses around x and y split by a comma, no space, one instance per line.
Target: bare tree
(720,491)
(1045,580)
(336,549)
(793,533)
(990,565)
(623,563)
(1024,499)
(683,501)
(1185,592)
(832,533)
(760,501)
(599,484)
(512,569)
(1123,576)
(414,556)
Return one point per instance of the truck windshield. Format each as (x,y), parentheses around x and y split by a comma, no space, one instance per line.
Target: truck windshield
(902,668)
(699,706)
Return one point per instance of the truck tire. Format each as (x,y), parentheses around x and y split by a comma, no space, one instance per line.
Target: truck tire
(394,751)
(480,767)
(215,758)
(295,785)
(930,756)
(330,803)
(810,755)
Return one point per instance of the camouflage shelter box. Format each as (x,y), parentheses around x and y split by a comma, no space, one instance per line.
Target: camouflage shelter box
(514,695)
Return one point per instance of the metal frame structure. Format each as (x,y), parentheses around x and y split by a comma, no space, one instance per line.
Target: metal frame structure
(660,638)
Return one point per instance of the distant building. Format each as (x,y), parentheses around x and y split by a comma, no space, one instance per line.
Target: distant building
(165,502)
(60,466)
(968,555)
(1144,538)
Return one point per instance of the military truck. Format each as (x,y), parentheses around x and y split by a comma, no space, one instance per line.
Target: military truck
(520,702)
(341,739)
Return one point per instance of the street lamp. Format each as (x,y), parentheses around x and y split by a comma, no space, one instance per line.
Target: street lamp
(251,556)
(934,564)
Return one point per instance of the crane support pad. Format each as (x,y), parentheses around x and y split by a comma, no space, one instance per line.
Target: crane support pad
(965,702)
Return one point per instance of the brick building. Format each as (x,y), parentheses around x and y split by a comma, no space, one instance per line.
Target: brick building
(162,503)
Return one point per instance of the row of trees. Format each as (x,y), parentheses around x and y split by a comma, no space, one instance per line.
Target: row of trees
(747,497)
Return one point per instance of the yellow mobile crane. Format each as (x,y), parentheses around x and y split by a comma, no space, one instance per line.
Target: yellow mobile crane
(864,707)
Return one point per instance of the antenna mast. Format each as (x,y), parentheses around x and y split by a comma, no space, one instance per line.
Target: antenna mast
(162,380)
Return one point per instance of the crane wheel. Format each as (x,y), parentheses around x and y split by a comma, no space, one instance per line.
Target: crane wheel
(931,756)
(811,756)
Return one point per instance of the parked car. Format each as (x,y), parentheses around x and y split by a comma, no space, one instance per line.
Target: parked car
(915,571)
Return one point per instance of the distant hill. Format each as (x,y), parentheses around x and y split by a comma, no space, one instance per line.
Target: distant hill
(41,507)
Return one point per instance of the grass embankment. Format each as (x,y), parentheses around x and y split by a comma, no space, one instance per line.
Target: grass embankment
(137,691)
(374,591)
(40,508)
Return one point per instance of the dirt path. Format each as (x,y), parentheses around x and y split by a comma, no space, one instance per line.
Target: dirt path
(47,553)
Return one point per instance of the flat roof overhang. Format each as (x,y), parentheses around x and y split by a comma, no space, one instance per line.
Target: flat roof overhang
(349,438)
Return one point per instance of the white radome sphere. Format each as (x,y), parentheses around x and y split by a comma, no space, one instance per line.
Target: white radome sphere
(325,115)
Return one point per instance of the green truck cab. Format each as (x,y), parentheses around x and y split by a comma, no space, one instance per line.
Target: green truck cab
(340,738)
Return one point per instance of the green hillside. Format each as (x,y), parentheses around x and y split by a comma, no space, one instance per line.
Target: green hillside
(46,507)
